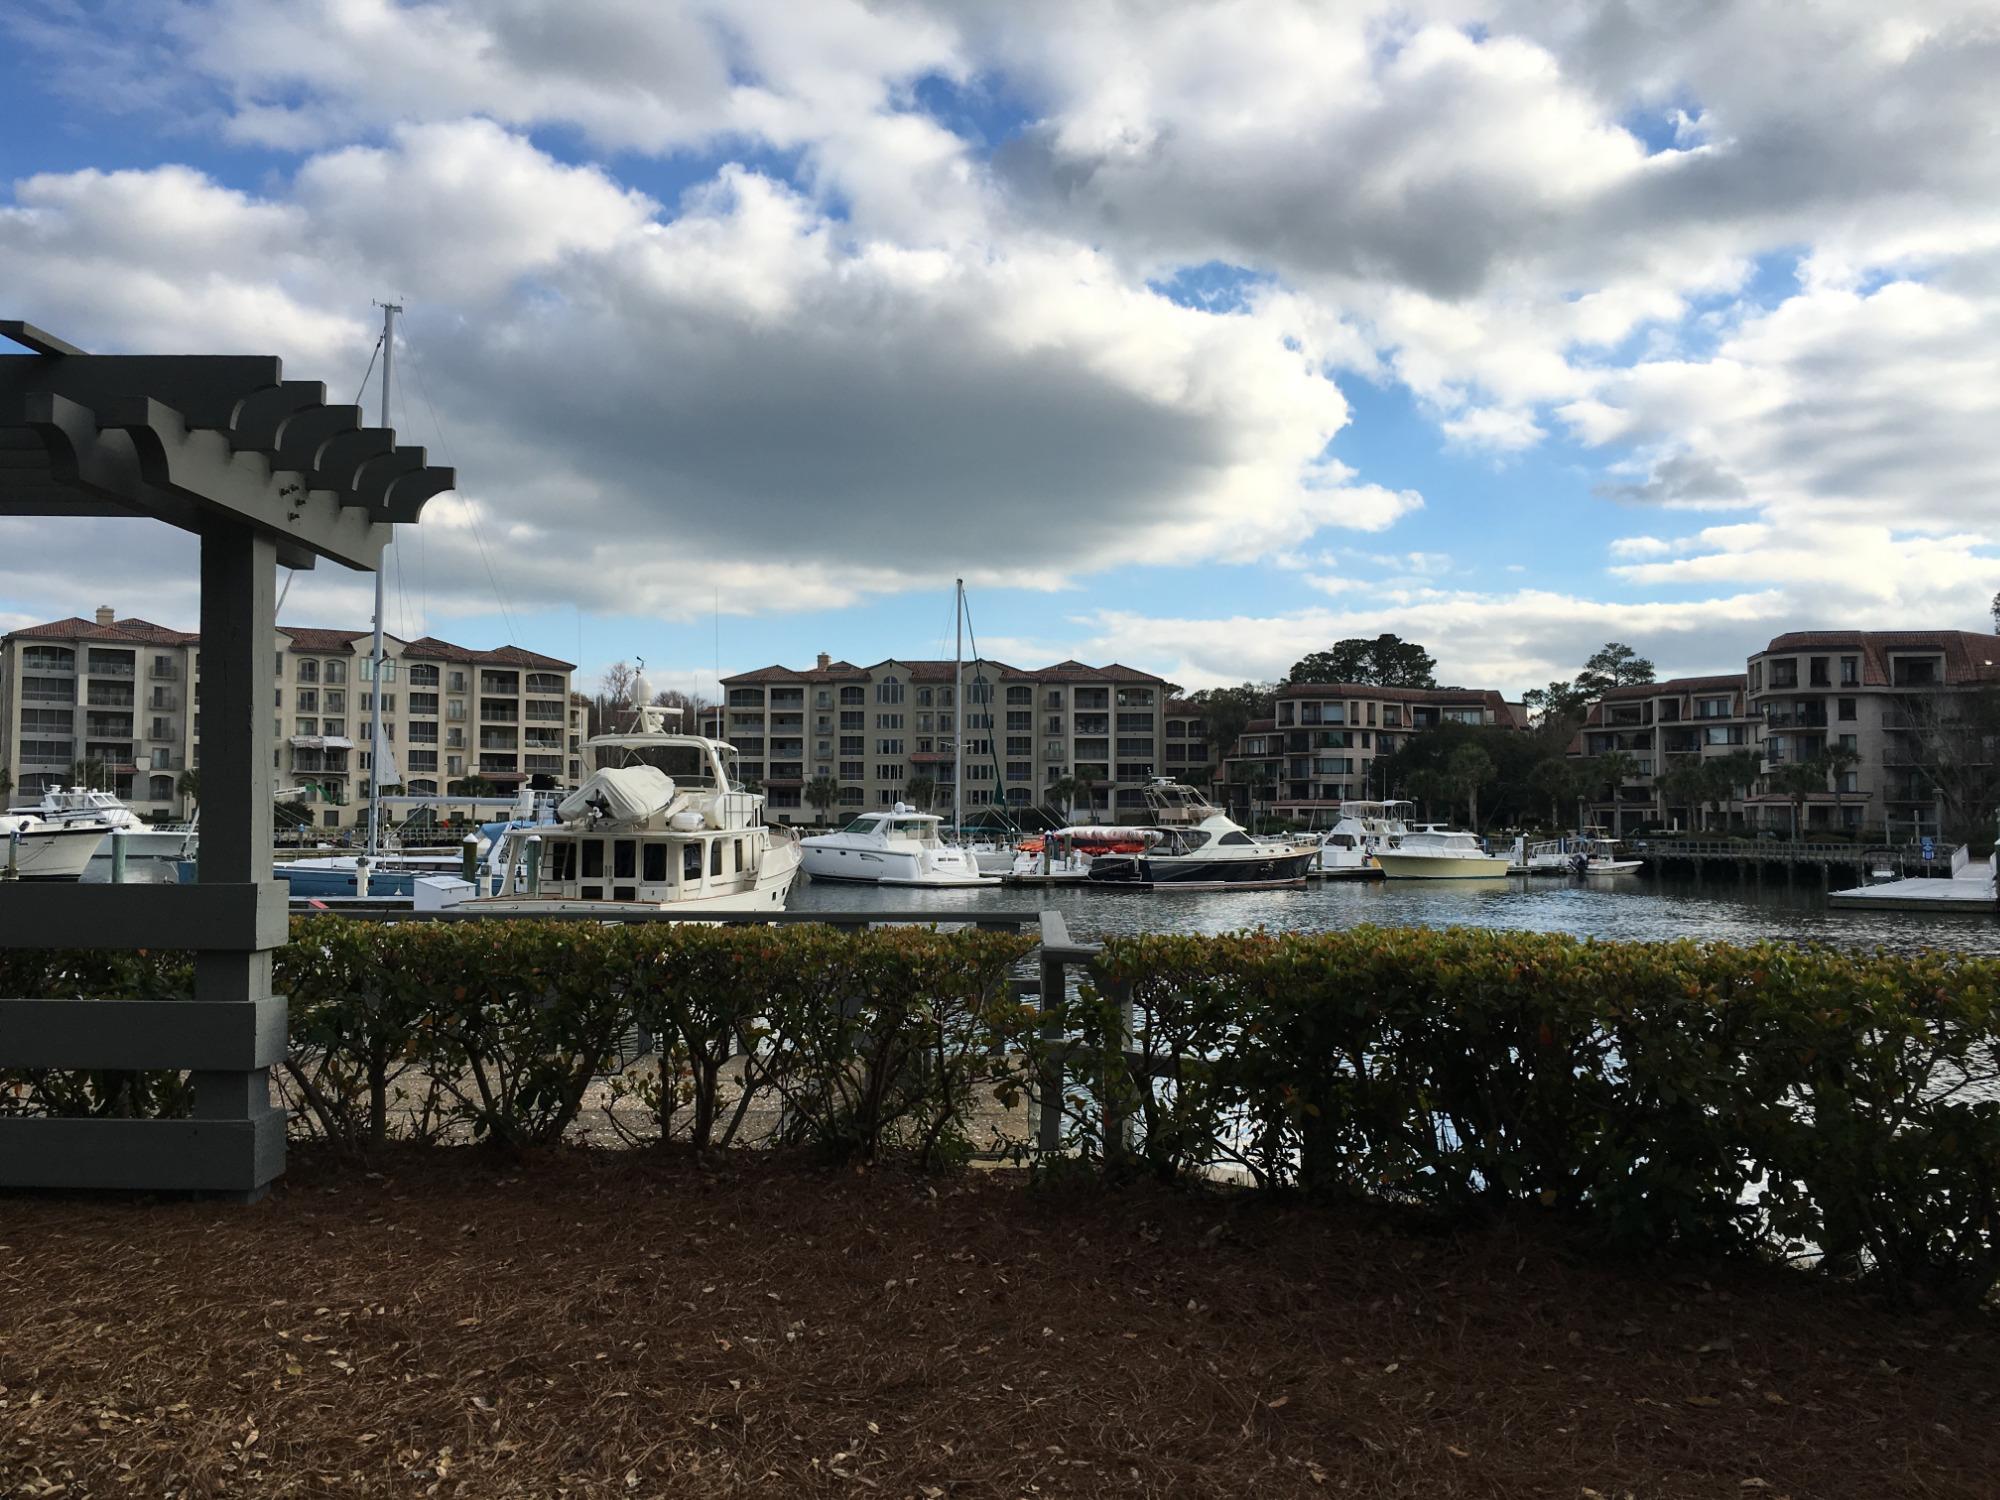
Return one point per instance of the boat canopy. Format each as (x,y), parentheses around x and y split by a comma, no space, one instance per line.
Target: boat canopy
(622,794)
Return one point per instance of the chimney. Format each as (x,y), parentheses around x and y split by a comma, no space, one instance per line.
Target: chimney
(825,661)
(106,614)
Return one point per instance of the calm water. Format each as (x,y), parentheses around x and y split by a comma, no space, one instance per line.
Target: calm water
(1629,908)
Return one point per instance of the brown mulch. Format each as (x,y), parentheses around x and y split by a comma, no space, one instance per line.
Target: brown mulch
(598,1323)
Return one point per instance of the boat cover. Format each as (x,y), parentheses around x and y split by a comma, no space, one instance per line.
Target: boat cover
(623,794)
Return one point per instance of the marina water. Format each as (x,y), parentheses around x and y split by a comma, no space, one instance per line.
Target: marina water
(1626,909)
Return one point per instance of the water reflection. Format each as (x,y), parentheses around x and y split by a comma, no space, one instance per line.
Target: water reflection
(1634,909)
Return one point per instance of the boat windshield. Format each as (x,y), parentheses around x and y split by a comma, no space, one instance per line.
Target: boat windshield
(870,824)
(1184,841)
(915,828)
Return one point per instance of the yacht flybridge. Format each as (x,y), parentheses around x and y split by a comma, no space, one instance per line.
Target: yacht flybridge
(670,828)
(895,847)
(1347,850)
(1196,847)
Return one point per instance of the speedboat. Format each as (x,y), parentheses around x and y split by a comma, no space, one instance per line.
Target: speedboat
(898,847)
(1600,856)
(1434,852)
(673,830)
(1197,847)
(33,848)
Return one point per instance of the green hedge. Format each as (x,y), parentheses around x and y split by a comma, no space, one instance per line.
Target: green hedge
(1837,1109)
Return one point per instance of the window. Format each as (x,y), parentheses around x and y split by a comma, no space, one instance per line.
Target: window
(1850,671)
(888,747)
(715,856)
(690,864)
(656,864)
(888,721)
(624,859)
(593,859)
(1845,708)
(889,690)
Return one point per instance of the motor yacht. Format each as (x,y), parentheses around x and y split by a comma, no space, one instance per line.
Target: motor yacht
(671,829)
(1063,856)
(1347,850)
(1194,846)
(896,847)
(151,850)
(1434,852)
(33,848)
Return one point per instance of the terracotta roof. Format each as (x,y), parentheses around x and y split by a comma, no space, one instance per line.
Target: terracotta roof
(1969,656)
(1180,708)
(127,632)
(935,671)
(1676,686)
(1505,714)
(430,648)
(305,638)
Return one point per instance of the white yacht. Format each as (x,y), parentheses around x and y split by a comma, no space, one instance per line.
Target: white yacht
(1347,850)
(897,847)
(675,832)
(151,850)
(1197,847)
(1434,852)
(1589,853)
(34,848)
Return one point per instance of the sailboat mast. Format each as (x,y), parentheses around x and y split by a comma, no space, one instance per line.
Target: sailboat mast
(389,311)
(958,708)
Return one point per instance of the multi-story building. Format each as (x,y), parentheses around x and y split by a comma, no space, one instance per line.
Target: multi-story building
(1658,724)
(1866,692)
(126,695)
(1321,744)
(875,731)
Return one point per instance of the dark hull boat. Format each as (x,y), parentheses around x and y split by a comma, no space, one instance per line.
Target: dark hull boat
(1264,869)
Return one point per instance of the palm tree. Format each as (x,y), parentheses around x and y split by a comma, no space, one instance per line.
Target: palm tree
(1063,790)
(822,791)
(1470,768)
(91,773)
(920,790)
(1839,760)
(188,785)
(6,783)
(1086,783)
(1798,780)
(1556,779)
(1425,785)
(1739,771)
(1680,782)
(1612,770)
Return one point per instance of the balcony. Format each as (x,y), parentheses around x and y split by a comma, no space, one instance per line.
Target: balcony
(498,742)
(109,697)
(164,672)
(1800,717)
(112,668)
(545,713)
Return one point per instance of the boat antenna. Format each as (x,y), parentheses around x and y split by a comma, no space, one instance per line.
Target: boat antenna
(958,709)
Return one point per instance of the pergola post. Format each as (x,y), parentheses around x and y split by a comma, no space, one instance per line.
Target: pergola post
(264,472)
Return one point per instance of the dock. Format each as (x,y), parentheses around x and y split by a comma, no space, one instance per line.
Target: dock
(1919,894)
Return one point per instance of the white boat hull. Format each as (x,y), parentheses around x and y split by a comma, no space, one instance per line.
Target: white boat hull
(776,874)
(50,853)
(1397,865)
(855,865)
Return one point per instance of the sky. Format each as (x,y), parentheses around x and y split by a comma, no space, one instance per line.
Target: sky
(1192,336)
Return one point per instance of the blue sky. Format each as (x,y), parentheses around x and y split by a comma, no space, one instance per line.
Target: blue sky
(1256,329)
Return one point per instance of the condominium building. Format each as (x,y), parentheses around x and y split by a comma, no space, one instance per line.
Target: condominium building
(125,695)
(1320,746)
(1865,692)
(1658,724)
(878,731)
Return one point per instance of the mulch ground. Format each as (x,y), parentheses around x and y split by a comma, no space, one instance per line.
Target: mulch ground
(633,1323)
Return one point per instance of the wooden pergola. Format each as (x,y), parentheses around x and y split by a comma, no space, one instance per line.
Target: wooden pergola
(265,472)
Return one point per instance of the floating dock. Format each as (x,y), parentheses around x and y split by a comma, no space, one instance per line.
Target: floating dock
(1970,897)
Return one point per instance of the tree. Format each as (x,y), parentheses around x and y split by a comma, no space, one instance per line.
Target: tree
(1227,712)
(1839,760)
(1798,780)
(1426,785)
(1683,782)
(1957,753)
(1996,614)
(1086,783)
(1386,661)
(6,783)
(920,790)
(1062,791)
(91,772)
(822,791)
(1564,781)
(1612,770)
(188,784)
(1558,704)
(1469,769)
(1616,665)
